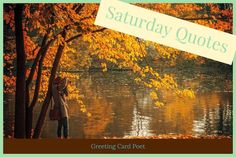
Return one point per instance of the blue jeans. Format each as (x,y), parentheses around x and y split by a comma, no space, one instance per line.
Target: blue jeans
(63,123)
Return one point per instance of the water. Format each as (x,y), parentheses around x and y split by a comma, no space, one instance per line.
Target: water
(121,108)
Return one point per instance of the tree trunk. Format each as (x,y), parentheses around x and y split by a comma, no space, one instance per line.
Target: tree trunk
(19,125)
(36,60)
(28,125)
(29,121)
(38,80)
(30,106)
(47,99)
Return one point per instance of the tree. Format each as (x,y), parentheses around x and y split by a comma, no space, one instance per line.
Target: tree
(19,131)
(54,31)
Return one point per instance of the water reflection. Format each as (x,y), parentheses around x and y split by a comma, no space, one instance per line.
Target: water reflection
(121,108)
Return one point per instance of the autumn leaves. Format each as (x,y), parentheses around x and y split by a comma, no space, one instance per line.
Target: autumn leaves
(83,41)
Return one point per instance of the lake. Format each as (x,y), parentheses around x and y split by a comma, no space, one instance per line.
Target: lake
(121,108)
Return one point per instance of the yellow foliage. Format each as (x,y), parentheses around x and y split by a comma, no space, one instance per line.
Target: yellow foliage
(89,114)
(185,93)
(110,46)
(137,79)
(159,104)
(104,67)
(154,95)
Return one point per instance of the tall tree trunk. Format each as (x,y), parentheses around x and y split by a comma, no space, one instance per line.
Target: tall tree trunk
(29,121)
(47,99)
(28,114)
(30,107)
(19,125)
(38,80)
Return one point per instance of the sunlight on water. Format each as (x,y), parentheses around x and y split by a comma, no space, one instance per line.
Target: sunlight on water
(121,108)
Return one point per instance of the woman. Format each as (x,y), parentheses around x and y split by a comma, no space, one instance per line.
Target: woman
(59,91)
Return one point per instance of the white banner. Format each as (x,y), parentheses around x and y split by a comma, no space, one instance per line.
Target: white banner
(167,30)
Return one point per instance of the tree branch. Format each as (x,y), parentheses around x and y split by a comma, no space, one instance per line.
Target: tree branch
(81,34)
(33,68)
(38,80)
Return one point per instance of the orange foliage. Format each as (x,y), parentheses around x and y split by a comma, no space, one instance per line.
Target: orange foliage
(109,46)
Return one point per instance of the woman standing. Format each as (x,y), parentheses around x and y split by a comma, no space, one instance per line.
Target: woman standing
(59,91)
